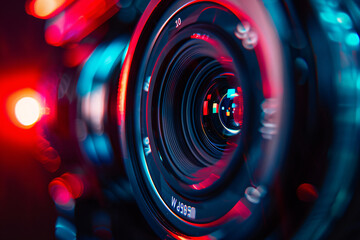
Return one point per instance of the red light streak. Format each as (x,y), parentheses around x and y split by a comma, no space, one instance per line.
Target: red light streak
(225,60)
(239,111)
(79,20)
(228,74)
(206,108)
(46,8)
(178,237)
(206,183)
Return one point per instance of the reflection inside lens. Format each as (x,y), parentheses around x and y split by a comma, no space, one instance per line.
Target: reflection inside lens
(222,115)
(231,111)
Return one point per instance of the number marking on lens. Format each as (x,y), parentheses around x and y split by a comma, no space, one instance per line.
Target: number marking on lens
(147,148)
(183,209)
(147,84)
(178,22)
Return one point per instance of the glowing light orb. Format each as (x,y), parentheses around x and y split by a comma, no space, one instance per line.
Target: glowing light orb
(27,111)
(45,8)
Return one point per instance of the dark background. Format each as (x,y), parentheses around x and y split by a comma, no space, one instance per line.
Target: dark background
(26,209)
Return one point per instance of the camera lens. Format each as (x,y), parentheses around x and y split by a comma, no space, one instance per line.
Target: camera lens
(195,111)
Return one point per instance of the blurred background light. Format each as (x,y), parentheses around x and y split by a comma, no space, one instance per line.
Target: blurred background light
(352,39)
(27,111)
(24,108)
(307,192)
(45,8)
(64,230)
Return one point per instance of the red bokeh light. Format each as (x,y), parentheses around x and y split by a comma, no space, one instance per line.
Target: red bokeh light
(24,108)
(66,188)
(307,192)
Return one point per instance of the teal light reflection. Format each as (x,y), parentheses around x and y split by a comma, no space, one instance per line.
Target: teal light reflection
(64,230)
(352,39)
